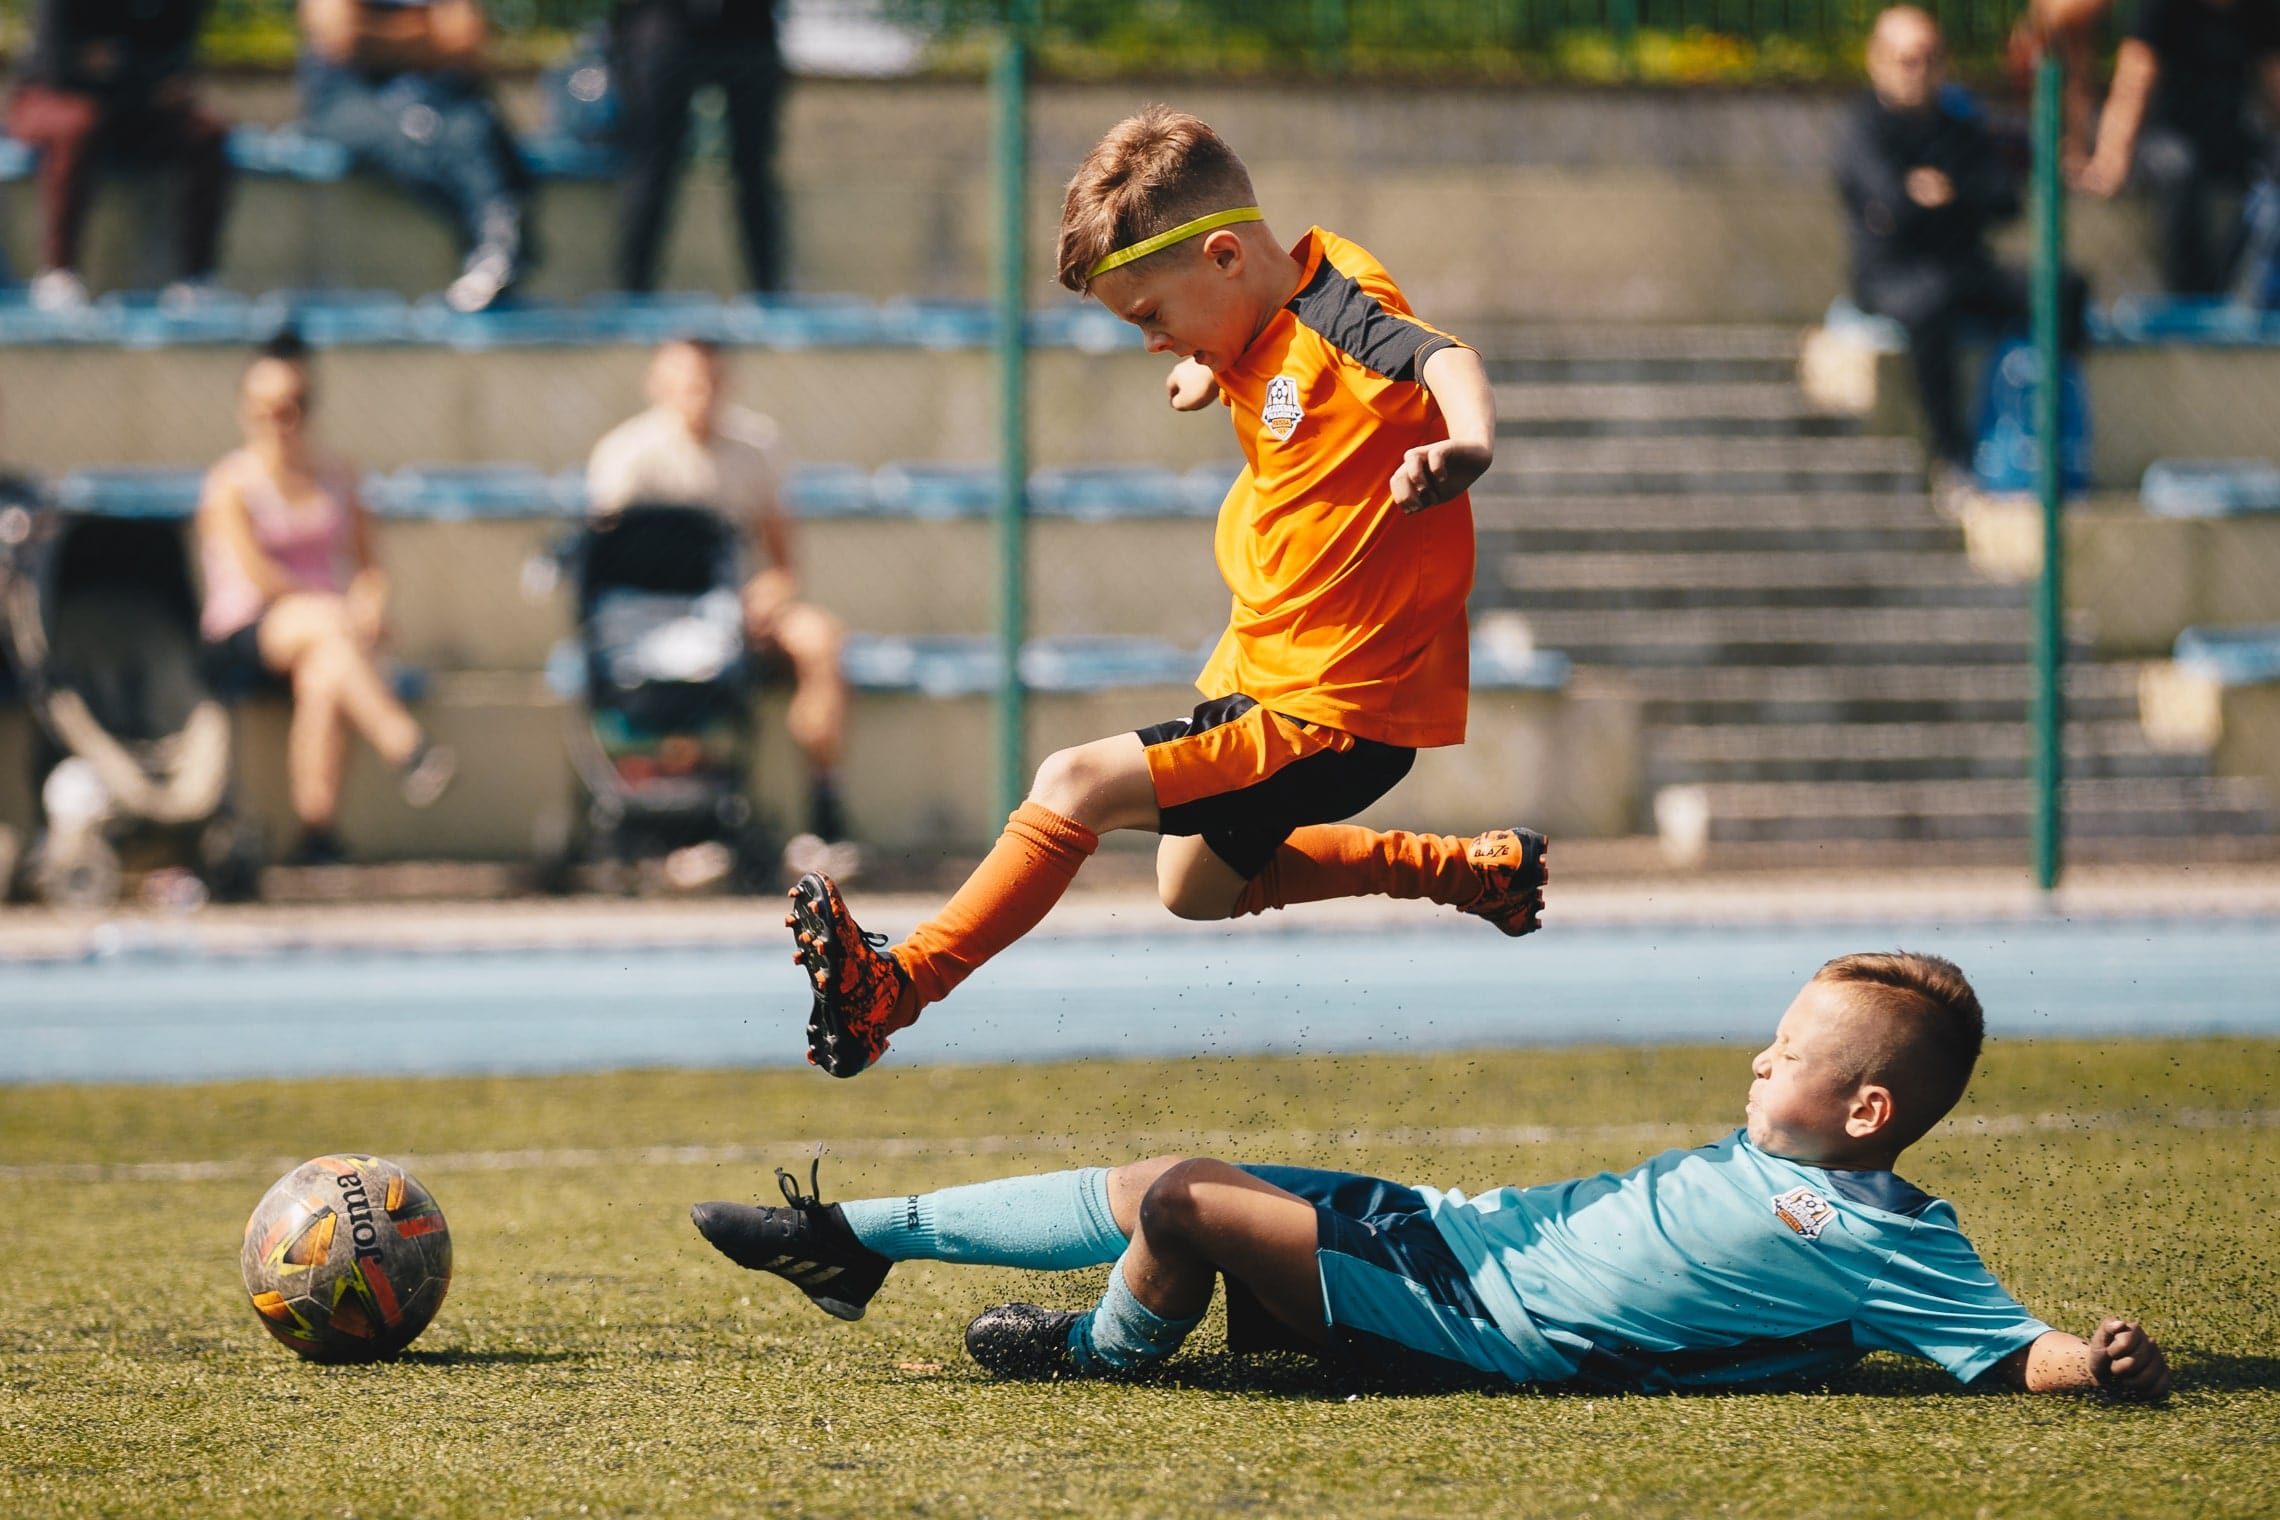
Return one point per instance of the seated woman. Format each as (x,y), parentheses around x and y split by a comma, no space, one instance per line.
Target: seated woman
(292,590)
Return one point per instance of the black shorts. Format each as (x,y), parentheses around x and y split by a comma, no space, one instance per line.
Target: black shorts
(1242,777)
(233,666)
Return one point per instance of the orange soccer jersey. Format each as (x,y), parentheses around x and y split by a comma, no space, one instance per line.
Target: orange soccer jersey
(1346,610)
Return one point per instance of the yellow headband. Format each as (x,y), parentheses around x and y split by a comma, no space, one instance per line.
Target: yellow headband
(1164,240)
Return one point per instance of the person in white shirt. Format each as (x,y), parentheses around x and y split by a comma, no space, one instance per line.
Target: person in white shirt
(694,448)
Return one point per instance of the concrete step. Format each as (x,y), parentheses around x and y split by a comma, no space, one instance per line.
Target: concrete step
(1897,752)
(1850,694)
(1887,522)
(1788,636)
(1638,354)
(1548,581)
(1940,811)
(1631,466)
(1769,408)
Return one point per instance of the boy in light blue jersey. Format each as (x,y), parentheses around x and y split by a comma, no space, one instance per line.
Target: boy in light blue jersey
(1773,1257)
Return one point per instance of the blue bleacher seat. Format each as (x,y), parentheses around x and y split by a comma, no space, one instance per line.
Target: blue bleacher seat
(16,160)
(287,153)
(2186,319)
(1103,492)
(1081,325)
(1880,333)
(157,493)
(2247,656)
(558,155)
(455,492)
(935,490)
(938,324)
(828,490)
(1204,487)
(327,318)
(218,316)
(796,321)
(2210,487)
(652,317)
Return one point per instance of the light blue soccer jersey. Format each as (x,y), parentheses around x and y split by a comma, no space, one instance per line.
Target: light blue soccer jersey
(1724,1266)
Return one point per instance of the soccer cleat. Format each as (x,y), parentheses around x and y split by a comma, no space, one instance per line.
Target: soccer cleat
(1512,871)
(808,1244)
(1023,1341)
(857,984)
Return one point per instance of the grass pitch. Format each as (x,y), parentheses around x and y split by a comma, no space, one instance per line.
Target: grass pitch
(596,1358)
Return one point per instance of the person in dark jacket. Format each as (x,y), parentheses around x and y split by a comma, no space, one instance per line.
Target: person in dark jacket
(113,77)
(662,51)
(2186,80)
(1924,183)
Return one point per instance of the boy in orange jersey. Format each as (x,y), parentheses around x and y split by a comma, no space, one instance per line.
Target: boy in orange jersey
(1348,544)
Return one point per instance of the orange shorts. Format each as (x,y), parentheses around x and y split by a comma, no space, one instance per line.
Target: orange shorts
(1242,777)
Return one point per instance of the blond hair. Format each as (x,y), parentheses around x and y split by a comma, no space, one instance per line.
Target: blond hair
(1919,1030)
(1151,172)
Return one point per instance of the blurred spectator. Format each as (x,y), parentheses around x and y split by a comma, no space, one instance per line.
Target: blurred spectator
(662,51)
(292,590)
(2181,106)
(401,83)
(2069,31)
(112,78)
(1923,184)
(692,448)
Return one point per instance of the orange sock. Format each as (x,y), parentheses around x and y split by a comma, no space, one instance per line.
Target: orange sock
(1016,884)
(1344,860)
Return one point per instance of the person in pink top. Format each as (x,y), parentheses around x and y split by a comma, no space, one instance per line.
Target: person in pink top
(293,590)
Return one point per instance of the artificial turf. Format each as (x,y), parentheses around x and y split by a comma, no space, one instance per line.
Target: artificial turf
(596,1358)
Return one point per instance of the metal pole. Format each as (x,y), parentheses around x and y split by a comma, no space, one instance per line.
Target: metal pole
(2050,606)
(1009,86)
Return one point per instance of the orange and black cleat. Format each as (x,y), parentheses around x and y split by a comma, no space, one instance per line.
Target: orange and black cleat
(1512,871)
(857,984)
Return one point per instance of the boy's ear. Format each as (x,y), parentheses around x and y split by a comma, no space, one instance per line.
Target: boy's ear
(1871,1112)
(1224,250)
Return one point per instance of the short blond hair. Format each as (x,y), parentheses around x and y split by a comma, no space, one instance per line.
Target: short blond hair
(1150,172)
(1921,1030)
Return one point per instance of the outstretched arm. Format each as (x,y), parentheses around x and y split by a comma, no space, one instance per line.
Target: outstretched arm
(2119,1358)
(1443,471)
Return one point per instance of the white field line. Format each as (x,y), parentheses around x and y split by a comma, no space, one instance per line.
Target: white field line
(1254,1144)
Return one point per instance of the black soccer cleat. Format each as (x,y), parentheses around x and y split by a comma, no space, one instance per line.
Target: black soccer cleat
(808,1244)
(1023,1341)
(857,985)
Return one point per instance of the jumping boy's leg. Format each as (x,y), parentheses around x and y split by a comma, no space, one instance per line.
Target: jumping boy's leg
(865,993)
(1196,1220)
(1499,875)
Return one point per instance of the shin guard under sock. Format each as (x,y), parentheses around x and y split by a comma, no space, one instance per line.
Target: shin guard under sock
(1048,1223)
(1016,885)
(1330,860)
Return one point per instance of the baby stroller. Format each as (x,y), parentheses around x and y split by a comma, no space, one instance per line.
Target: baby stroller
(101,623)
(665,744)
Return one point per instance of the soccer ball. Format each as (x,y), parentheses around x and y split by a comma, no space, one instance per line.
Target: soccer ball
(346,1258)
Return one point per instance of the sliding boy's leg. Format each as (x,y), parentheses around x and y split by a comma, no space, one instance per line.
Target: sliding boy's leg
(863,992)
(1197,1220)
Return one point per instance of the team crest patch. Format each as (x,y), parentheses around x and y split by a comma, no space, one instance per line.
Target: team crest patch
(1804,1211)
(1282,414)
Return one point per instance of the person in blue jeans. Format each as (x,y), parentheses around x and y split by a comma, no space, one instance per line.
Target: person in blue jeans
(402,85)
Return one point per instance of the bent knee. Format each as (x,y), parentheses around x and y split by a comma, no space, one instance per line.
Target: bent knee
(1172,1205)
(1064,776)
(1198,902)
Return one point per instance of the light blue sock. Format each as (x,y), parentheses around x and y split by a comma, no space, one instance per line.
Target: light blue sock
(1048,1223)
(1123,1332)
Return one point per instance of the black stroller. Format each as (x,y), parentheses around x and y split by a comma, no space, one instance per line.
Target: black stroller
(132,765)
(665,744)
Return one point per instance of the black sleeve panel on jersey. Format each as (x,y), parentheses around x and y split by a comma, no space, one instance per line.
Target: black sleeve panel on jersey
(1358,325)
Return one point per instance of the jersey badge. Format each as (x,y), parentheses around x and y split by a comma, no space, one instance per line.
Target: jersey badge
(1282,414)
(1804,1211)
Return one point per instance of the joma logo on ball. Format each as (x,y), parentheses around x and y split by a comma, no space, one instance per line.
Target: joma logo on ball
(361,1230)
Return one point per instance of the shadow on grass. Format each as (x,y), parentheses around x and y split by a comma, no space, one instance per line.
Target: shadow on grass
(2224,1372)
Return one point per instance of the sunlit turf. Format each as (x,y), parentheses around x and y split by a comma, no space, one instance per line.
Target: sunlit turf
(595,1357)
